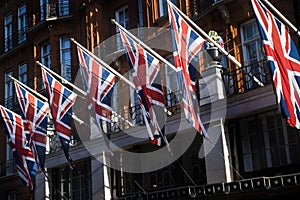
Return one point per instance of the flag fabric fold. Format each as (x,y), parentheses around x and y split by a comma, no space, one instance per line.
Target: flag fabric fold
(22,154)
(186,44)
(61,101)
(34,112)
(284,62)
(99,84)
(146,78)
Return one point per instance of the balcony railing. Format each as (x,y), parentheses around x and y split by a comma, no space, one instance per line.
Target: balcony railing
(13,40)
(243,79)
(49,11)
(197,7)
(135,113)
(235,81)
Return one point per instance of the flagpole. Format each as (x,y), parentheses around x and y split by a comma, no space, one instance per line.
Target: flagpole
(103,63)
(285,20)
(78,89)
(28,88)
(226,53)
(159,57)
(42,97)
(207,36)
(61,78)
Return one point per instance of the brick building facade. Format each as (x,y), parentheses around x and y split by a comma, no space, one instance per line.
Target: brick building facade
(256,155)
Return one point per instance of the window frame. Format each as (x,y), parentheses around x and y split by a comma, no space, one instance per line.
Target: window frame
(22,23)
(171,91)
(9,92)
(21,73)
(275,138)
(136,110)
(162,10)
(125,22)
(63,8)
(259,52)
(64,179)
(46,54)
(65,64)
(257,40)
(8,31)
(44,9)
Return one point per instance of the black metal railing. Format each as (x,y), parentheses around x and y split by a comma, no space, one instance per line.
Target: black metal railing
(197,7)
(135,116)
(246,78)
(11,102)
(49,11)
(13,40)
(236,81)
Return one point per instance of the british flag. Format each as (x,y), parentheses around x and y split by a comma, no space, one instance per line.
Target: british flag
(35,115)
(99,84)
(146,78)
(61,101)
(284,62)
(187,44)
(22,153)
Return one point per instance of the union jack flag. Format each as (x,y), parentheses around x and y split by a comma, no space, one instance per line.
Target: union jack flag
(99,84)
(146,78)
(61,101)
(187,44)
(22,154)
(284,62)
(35,115)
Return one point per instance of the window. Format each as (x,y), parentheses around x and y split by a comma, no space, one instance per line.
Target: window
(69,184)
(163,7)
(22,24)
(45,57)
(122,18)
(8,90)
(23,73)
(63,7)
(44,9)
(265,140)
(252,43)
(8,104)
(8,32)
(12,195)
(115,107)
(171,84)
(65,58)
(10,162)
(136,111)
(253,52)
(45,54)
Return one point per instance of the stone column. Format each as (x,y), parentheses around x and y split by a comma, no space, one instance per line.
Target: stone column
(217,154)
(41,192)
(211,84)
(100,178)
(211,88)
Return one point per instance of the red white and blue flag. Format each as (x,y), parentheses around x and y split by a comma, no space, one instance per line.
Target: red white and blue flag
(61,101)
(187,44)
(98,84)
(22,153)
(146,78)
(35,115)
(284,62)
